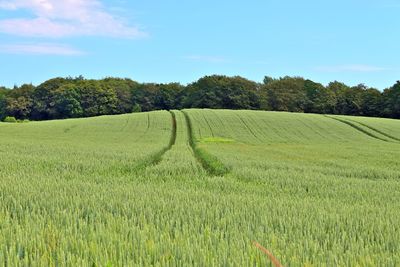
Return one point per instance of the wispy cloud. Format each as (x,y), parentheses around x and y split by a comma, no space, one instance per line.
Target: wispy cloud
(40,49)
(351,68)
(209,59)
(55,19)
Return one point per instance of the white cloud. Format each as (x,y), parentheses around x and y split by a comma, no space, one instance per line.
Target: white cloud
(55,19)
(40,49)
(351,68)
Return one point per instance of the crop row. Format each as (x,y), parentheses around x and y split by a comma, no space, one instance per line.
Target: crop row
(313,190)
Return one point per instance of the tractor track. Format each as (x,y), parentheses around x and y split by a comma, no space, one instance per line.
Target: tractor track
(376,130)
(359,128)
(155,158)
(210,163)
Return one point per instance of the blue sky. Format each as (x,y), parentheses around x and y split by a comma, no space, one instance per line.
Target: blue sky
(352,41)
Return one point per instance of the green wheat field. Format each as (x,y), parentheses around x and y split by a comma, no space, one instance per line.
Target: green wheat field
(198,187)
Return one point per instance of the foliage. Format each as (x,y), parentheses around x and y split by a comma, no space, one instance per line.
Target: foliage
(10,119)
(3,103)
(391,98)
(136,108)
(152,96)
(222,92)
(61,98)
(286,94)
(124,89)
(319,98)
(67,102)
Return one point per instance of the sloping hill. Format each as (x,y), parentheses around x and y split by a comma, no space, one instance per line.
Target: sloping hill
(271,127)
(93,145)
(144,190)
(385,129)
(303,143)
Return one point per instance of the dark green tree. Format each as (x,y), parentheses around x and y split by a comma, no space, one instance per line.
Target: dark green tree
(19,102)
(319,98)
(287,94)
(67,102)
(144,96)
(96,98)
(223,92)
(391,98)
(339,90)
(78,97)
(167,96)
(44,106)
(372,102)
(267,80)
(3,102)
(124,91)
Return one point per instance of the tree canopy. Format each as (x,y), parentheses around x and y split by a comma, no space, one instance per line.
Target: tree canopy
(61,98)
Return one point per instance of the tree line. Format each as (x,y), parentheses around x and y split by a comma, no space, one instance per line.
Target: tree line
(77,97)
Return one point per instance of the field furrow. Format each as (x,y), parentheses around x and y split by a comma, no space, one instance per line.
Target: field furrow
(307,157)
(386,129)
(363,129)
(92,147)
(197,188)
(179,159)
